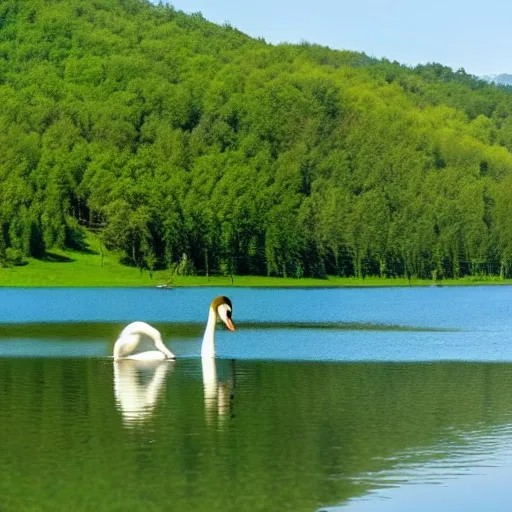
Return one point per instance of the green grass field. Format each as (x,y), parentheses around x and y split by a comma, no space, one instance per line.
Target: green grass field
(73,268)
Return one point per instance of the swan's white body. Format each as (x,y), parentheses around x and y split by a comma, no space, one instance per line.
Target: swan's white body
(130,338)
(132,334)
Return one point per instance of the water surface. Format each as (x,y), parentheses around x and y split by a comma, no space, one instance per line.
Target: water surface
(338,399)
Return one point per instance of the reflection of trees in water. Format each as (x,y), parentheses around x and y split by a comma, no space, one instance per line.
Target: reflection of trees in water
(355,421)
(305,435)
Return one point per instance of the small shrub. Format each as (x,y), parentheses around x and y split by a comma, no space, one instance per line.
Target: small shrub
(14,257)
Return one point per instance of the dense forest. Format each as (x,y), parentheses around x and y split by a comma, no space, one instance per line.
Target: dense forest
(190,145)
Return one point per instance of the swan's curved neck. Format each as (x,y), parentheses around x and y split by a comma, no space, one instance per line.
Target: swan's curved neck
(208,347)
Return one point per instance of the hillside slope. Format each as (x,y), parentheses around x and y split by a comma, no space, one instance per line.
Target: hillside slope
(180,141)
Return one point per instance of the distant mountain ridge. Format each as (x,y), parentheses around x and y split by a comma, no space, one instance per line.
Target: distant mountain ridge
(501,79)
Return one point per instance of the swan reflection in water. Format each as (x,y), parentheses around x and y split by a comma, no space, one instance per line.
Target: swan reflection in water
(139,384)
(137,387)
(219,393)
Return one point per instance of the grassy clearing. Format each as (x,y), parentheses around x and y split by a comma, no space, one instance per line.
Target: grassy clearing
(73,268)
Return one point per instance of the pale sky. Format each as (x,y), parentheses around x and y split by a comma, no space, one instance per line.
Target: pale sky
(473,34)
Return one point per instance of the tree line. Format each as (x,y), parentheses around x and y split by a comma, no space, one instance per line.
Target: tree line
(186,143)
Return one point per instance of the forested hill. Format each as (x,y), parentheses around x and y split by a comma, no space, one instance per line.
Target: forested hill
(178,140)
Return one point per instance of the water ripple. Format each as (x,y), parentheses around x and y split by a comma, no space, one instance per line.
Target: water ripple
(190,329)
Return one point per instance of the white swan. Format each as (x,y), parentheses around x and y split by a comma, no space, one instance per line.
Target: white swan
(130,338)
(132,334)
(222,308)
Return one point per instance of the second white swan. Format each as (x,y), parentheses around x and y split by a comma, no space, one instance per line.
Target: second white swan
(129,339)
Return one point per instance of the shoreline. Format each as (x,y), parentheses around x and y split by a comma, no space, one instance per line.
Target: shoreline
(103,280)
(68,269)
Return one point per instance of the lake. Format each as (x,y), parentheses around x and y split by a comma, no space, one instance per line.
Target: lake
(358,400)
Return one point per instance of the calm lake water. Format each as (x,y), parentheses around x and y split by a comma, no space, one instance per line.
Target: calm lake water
(384,399)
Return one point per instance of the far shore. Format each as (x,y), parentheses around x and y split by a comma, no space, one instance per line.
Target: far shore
(67,275)
(91,269)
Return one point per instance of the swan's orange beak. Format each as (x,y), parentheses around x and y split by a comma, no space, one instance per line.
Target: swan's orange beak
(229,324)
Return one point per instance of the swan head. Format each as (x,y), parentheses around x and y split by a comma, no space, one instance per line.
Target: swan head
(223,309)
